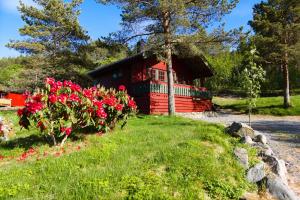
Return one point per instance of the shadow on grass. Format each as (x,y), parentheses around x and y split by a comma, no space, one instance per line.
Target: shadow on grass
(39,140)
(243,108)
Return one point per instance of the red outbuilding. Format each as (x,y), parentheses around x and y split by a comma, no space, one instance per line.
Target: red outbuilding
(146,80)
(16,99)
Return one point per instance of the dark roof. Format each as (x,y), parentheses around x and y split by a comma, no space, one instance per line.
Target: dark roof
(198,64)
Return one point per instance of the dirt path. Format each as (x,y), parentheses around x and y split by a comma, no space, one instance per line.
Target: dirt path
(283,134)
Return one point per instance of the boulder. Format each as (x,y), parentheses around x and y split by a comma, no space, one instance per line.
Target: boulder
(261,138)
(247,140)
(277,166)
(256,173)
(242,156)
(279,189)
(240,130)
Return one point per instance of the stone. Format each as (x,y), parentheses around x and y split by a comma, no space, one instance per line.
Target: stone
(268,152)
(256,173)
(247,140)
(242,156)
(277,166)
(240,130)
(261,138)
(279,189)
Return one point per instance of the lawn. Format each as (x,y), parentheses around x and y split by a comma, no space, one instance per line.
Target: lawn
(153,157)
(265,105)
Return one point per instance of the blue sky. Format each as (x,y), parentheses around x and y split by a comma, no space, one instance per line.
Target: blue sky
(98,20)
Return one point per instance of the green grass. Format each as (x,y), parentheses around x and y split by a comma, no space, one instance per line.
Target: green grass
(153,157)
(265,105)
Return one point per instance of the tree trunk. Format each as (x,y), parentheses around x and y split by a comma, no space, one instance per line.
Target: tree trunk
(287,101)
(168,52)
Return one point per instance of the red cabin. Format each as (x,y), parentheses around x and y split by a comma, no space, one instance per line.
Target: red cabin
(146,80)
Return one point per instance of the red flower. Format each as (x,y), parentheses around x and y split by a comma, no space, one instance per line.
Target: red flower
(67,131)
(74,97)
(20,112)
(119,107)
(101,113)
(97,103)
(88,93)
(67,83)
(111,101)
(33,107)
(37,97)
(31,151)
(52,98)
(75,88)
(23,156)
(122,88)
(1,157)
(131,103)
(50,81)
(59,84)
(62,98)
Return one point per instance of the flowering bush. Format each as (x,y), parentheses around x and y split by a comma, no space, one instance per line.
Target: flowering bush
(64,107)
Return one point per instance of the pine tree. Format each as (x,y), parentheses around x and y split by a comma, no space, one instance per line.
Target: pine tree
(51,30)
(276,24)
(167,22)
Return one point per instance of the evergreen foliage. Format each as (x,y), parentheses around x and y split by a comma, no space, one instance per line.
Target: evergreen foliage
(276,24)
(51,30)
(167,22)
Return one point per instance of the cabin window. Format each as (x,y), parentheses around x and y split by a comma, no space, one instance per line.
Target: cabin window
(161,75)
(175,77)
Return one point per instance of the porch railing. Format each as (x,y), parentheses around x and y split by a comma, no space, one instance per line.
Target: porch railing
(162,88)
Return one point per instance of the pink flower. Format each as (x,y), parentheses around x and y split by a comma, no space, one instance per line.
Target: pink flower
(50,81)
(101,113)
(75,88)
(87,93)
(119,107)
(74,98)
(122,88)
(67,83)
(111,101)
(62,98)
(52,98)
(97,103)
(59,84)
(131,103)
(33,107)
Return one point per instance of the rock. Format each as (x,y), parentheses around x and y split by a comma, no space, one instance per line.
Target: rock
(279,189)
(242,156)
(240,130)
(261,138)
(256,173)
(277,166)
(268,152)
(247,140)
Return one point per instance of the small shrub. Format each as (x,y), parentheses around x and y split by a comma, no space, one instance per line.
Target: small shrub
(64,107)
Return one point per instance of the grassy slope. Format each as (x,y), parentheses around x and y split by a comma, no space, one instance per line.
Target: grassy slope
(154,157)
(265,106)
